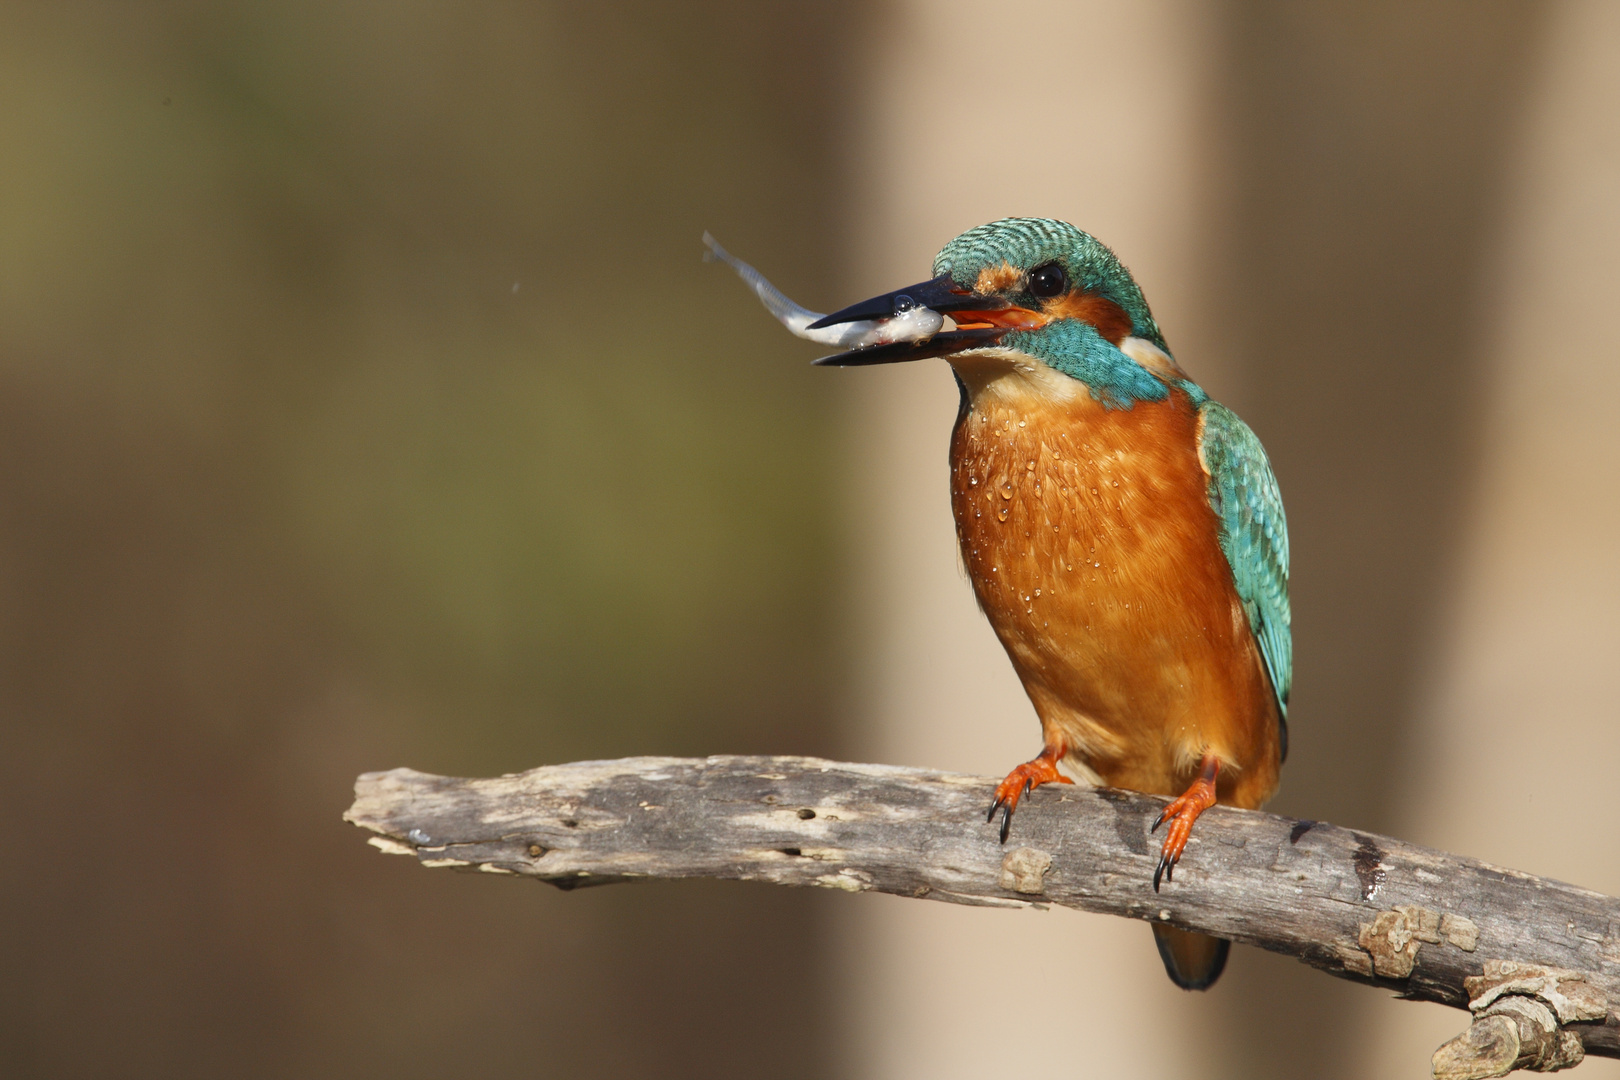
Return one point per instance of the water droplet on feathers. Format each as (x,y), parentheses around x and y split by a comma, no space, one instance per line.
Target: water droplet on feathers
(1007,490)
(1001,515)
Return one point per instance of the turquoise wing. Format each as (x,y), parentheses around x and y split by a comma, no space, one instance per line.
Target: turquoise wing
(1254,535)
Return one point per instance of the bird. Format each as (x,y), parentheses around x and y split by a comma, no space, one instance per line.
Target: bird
(1123,532)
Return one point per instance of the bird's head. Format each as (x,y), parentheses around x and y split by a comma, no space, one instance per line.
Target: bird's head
(1030,296)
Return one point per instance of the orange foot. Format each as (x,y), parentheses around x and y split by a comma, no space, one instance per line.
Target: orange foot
(1021,781)
(1181,814)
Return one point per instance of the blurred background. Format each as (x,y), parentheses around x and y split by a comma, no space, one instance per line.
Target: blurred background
(363,403)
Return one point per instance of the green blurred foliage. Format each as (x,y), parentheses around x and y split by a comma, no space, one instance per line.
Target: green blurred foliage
(363,401)
(430,278)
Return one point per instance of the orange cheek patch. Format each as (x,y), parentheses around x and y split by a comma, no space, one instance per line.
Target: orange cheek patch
(1108,317)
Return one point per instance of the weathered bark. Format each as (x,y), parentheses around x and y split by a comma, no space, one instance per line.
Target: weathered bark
(1359,906)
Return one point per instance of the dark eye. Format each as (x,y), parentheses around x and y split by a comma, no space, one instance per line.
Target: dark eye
(1048,281)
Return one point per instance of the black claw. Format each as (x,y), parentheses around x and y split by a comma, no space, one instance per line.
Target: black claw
(1028,786)
(1166,869)
(991,816)
(1006,822)
(1158,821)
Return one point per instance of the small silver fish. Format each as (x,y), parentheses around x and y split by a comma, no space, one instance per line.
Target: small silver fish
(910,321)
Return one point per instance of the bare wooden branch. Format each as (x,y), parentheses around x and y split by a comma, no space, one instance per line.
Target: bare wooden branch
(1433,926)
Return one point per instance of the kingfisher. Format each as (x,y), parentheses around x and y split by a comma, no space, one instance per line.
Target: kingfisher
(1123,532)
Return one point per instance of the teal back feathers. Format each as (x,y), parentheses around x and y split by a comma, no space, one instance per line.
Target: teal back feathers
(1253,535)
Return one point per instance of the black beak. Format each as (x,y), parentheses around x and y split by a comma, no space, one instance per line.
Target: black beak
(941,294)
(941,344)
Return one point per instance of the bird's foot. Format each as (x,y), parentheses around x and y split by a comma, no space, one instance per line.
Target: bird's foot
(1181,813)
(1021,781)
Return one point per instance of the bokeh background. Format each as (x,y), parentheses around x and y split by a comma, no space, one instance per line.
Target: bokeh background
(363,402)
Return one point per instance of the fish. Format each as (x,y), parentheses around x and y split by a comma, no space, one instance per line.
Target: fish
(910,321)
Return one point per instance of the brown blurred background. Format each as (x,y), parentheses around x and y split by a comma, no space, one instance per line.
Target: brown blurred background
(363,403)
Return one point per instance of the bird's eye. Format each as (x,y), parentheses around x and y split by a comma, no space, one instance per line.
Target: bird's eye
(1048,281)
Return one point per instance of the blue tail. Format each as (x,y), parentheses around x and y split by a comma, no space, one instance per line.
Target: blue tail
(1193,961)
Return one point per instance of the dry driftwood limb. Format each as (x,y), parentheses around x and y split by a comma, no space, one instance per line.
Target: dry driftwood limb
(1528,954)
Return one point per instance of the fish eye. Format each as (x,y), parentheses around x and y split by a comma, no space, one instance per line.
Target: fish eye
(1048,281)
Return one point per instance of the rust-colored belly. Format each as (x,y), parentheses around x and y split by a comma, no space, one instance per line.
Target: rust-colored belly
(1089,538)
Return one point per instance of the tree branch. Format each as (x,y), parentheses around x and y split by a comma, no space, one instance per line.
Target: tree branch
(1433,926)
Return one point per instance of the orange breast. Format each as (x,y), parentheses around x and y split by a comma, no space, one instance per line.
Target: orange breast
(1089,538)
